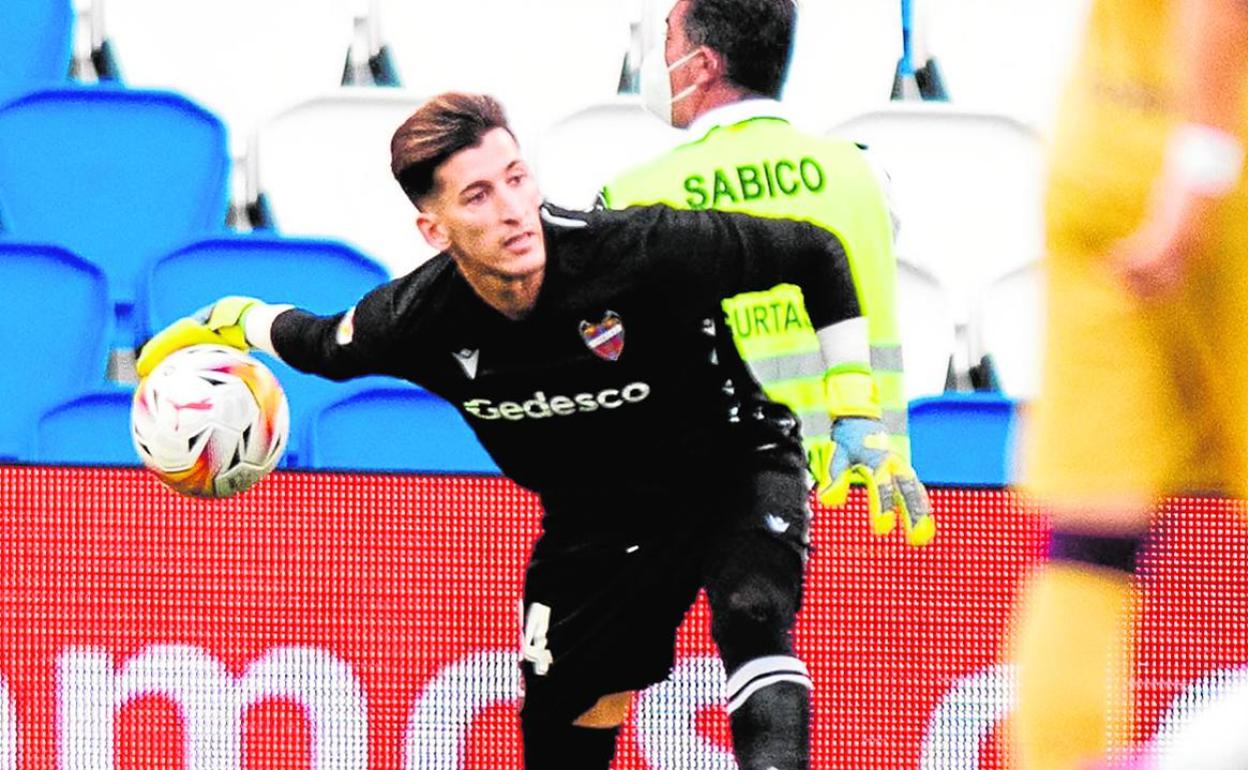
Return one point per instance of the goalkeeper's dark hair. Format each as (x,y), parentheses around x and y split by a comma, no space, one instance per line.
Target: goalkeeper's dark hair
(438,129)
(755,37)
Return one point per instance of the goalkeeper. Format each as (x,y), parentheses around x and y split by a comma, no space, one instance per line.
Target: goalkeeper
(583,351)
(726,60)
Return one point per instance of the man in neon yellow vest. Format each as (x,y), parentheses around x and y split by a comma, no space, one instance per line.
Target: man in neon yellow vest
(718,72)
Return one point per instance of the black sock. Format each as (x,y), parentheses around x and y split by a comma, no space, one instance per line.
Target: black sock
(1116,552)
(771,729)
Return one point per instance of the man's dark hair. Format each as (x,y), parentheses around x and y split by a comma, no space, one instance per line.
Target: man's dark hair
(755,37)
(441,127)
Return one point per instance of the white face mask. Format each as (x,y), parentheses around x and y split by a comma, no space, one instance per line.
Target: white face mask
(656,82)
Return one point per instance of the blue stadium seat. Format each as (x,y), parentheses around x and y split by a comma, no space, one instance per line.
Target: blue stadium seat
(119,176)
(91,428)
(319,276)
(393,429)
(963,439)
(57,324)
(35,45)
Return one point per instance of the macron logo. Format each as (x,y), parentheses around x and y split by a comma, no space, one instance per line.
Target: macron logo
(468,361)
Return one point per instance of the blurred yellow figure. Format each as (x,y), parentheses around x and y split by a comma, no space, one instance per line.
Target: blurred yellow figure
(1145,389)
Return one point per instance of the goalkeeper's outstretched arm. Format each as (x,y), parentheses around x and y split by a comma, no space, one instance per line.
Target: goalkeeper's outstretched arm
(327,346)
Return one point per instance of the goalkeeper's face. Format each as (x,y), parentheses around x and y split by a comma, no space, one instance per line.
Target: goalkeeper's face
(484,210)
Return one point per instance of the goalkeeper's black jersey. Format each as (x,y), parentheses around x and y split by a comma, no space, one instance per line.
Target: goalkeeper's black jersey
(612,385)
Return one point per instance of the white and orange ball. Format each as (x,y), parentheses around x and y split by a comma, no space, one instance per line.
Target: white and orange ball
(210,421)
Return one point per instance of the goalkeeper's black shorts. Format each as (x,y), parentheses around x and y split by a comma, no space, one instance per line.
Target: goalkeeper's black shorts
(610,605)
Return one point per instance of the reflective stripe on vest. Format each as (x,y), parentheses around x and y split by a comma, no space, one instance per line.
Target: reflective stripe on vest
(791,366)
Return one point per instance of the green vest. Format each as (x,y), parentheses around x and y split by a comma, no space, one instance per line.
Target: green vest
(765,167)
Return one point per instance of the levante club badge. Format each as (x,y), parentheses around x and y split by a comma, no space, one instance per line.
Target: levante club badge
(605,338)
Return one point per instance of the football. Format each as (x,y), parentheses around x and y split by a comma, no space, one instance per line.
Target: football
(210,421)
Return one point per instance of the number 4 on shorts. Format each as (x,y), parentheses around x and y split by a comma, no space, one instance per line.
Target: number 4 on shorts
(533,645)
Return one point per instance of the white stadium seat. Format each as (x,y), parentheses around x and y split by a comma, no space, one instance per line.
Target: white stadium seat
(1008,326)
(844,59)
(242,59)
(1007,56)
(926,324)
(324,169)
(966,187)
(542,59)
(576,156)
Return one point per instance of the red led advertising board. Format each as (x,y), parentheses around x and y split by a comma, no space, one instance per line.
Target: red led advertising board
(351,621)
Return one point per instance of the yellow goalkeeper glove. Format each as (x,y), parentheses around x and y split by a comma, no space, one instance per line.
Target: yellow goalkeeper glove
(221,323)
(860,450)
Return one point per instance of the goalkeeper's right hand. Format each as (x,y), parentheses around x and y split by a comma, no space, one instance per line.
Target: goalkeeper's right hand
(221,323)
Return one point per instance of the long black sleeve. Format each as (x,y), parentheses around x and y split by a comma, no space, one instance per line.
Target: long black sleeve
(357,341)
(723,254)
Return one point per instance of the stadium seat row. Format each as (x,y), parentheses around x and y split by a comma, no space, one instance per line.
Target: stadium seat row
(373,427)
(961,439)
(122,175)
(64,310)
(244,58)
(60,409)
